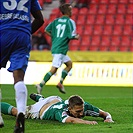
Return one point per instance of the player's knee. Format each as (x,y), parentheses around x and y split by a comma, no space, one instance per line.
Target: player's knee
(14,111)
(70,65)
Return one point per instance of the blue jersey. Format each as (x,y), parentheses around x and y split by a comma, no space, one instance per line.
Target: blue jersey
(15,14)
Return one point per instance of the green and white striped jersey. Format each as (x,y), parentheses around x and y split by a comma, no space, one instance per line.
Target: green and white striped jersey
(62,30)
(59,111)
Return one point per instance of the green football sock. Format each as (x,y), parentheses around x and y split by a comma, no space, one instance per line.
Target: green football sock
(63,76)
(46,78)
(6,108)
(38,97)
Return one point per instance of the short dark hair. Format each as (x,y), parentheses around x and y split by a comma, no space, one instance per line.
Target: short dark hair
(64,8)
(75,100)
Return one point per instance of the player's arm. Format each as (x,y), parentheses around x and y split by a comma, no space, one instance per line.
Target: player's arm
(72,31)
(96,112)
(48,29)
(47,33)
(81,121)
(105,115)
(37,22)
(76,36)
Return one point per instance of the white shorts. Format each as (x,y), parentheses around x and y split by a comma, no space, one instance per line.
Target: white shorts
(32,111)
(59,59)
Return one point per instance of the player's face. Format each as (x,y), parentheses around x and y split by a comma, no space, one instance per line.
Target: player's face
(77,111)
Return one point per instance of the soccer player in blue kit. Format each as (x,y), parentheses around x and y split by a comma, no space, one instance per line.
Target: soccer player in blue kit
(15,36)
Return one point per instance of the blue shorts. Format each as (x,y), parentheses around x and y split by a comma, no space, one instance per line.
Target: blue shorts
(15,47)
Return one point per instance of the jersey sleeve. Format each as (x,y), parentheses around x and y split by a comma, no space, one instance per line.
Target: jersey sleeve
(71,29)
(90,110)
(49,28)
(35,6)
(61,116)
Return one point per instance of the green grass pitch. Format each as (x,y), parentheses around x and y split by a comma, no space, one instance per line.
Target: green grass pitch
(116,100)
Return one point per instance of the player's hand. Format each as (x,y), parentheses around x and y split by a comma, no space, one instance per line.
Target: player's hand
(109,120)
(91,122)
(77,36)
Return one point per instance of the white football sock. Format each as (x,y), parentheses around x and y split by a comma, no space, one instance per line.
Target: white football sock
(21,96)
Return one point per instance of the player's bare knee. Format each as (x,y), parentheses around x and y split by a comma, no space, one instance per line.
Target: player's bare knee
(69,65)
(14,111)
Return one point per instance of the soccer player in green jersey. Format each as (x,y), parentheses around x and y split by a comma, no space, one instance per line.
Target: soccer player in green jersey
(61,30)
(56,109)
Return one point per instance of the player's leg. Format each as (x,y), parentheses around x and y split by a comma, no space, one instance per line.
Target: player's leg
(56,63)
(21,99)
(36,97)
(8,109)
(45,79)
(65,71)
(39,86)
(1,119)
(19,62)
(67,61)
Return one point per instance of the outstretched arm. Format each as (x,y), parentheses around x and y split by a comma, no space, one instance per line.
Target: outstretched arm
(106,116)
(81,121)
(96,112)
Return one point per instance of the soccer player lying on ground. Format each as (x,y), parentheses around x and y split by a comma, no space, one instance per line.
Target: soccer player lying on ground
(54,108)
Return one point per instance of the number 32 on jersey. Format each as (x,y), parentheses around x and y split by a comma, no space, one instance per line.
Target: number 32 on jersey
(12,4)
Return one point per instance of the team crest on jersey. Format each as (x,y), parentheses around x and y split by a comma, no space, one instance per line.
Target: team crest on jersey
(64,113)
